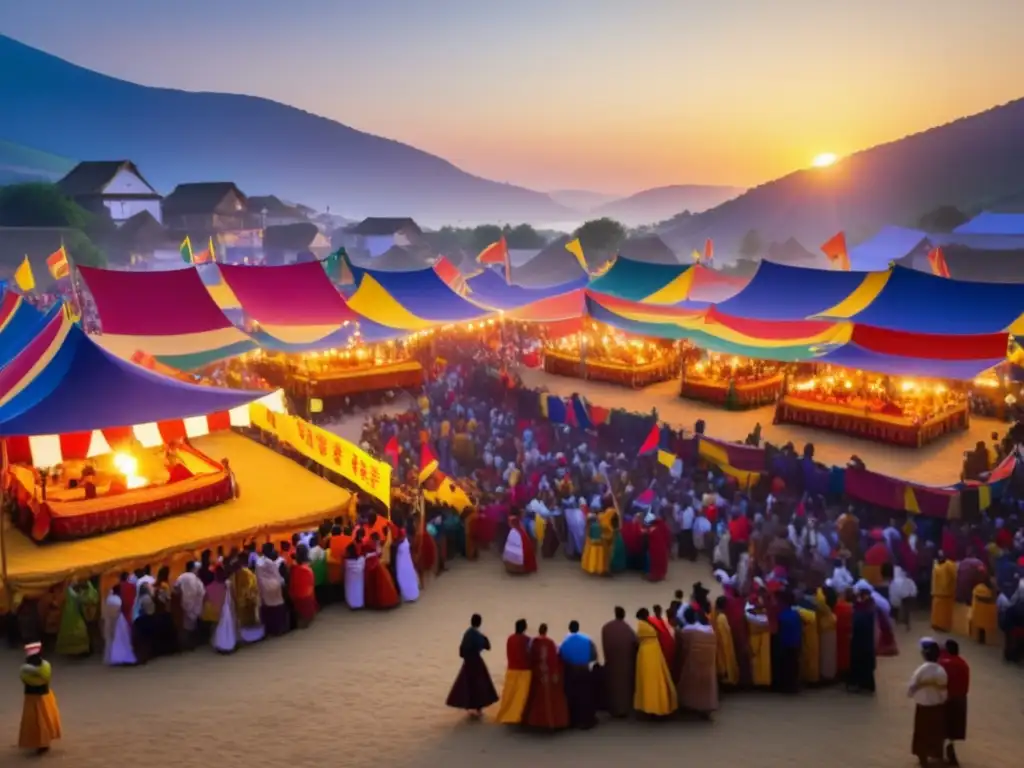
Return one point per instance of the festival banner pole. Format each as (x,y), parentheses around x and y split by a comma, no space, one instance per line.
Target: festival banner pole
(3,518)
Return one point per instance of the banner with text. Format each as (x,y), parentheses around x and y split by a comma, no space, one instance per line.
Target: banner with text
(328,450)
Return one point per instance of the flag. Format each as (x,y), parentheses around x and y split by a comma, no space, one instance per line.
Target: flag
(185,249)
(497,253)
(937,261)
(652,441)
(666,458)
(580,410)
(576,249)
(207,256)
(70,312)
(57,262)
(428,463)
(392,449)
(835,249)
(697,256)
(23,276)
(709,251)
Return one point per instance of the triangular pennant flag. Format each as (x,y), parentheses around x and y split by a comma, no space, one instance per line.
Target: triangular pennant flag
(185,250)
(937,261)
(23,276)
(575,247)
(709,251)
(392,449)
(428,463)
(57,262)
(652,441)
(667,459)
(835,249)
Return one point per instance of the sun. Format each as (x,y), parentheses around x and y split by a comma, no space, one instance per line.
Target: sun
(825,159)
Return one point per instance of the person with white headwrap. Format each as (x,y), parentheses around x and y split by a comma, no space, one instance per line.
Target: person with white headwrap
(698,677)
(928,689)
(902,590)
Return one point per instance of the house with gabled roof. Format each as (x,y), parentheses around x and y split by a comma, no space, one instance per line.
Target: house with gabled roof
(111,187)
(376,236)
(212,206)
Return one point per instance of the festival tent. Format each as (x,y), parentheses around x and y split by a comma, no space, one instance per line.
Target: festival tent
(908,300)
(643,281)
(451,275)
(411,301)
(19,322)
(978,264)
(490,290)
(893,493)
(296,304)
(553,265)
(64,384)
(785,341)
(168,314)
(950,356)
(220,291)
(990,223)
(890,244)
(780,292)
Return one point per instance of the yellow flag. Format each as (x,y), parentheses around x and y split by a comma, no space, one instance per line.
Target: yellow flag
(24,278)
(666,459)
(576,249)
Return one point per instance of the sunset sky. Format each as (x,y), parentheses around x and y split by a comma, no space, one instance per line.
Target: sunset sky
(608,95)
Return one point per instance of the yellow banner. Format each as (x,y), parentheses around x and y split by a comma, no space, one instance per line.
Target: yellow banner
(328,450)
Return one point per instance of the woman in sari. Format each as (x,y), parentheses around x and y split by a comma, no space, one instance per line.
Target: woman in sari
(301,589)
(73,635)
(117,632)
(473,689)
(355,581)
(380,587)
(225,635)
(595,554)
(618,559)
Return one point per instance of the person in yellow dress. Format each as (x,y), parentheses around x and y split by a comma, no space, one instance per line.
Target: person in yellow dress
(760,644)
(983,617)
(943,592)
(655,692)
(725,658)
(40,717)
(595,551)
(810,662)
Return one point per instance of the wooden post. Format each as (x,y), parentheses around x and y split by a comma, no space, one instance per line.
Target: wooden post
(3,517)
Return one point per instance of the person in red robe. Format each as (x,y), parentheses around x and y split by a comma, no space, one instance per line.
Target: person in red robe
(128,592)
(426,551)
(843,611)
(659,541)
(301,589)
(666,636)
(633,539)
(381,593)
(735,614)
(547,707)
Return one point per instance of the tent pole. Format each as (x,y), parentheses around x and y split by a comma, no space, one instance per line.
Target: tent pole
(3,516)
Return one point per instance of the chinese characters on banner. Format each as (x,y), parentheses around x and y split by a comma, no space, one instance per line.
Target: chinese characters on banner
(328,450)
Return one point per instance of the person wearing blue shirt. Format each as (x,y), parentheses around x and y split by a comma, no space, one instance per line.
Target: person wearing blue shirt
(790,635)
(578,652)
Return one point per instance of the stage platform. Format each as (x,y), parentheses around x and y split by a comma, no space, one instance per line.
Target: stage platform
(939,463)
(277,496)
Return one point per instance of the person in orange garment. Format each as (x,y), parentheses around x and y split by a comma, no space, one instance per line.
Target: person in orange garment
(301,586)
(943,592)
(381,593)
(516,690)
(666,637)
(336,561)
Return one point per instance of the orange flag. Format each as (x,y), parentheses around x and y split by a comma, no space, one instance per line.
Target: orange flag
(428,463)
(496,253)
(937,261)
(835,249)
(709,251)
(57,263)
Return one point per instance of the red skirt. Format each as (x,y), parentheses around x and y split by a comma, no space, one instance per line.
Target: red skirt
(305,607)
(380,588)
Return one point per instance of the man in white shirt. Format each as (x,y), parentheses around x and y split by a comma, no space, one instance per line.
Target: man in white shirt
(702,534)
(684,520)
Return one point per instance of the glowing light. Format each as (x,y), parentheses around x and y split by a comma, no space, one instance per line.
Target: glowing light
(825,159)
(128,466)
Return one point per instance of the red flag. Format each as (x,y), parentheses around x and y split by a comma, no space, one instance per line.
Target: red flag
(57,262)
(497,253)
(392,449)
(709,252)
(653,440)
(428,463)
(835,249)
(937,261)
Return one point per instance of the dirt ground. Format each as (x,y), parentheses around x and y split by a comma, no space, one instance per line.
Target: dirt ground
(368,689)
(938,464)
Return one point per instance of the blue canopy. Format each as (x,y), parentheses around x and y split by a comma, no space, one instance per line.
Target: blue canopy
(856,357)
(20,322)
(490,289)
(63,382)
(779,292)
(890,244)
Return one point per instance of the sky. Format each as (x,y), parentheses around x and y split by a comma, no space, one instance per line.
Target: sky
(613,96)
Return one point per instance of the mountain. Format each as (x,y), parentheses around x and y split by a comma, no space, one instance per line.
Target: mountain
(19,164)
(263,146)
(970,163)
(660,203)
(582,200)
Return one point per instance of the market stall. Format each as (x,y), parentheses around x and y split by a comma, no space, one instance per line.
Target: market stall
(908,412)
(603,354)
(732,382)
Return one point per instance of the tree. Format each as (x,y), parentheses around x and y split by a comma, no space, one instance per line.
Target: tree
(484,235)
(945,218)
(36,204)
(601,235)
(523,237)
(82,251)
(751,245)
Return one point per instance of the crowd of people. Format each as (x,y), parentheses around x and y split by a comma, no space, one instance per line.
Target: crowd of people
(811,585)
